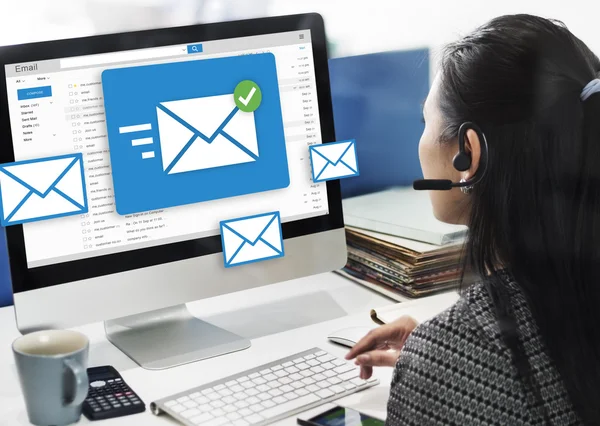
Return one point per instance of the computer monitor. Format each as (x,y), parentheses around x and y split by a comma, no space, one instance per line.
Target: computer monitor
(136,271)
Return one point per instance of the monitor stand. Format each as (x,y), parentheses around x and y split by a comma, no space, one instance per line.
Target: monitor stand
(170,337)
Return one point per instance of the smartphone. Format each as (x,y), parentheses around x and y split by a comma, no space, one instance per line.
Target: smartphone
(340,416)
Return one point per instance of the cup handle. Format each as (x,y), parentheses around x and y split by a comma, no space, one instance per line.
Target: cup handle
(81,382)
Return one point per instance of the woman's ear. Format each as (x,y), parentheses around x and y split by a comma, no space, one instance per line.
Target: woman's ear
(473,147)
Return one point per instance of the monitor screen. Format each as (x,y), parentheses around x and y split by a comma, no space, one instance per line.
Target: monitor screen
(57,107)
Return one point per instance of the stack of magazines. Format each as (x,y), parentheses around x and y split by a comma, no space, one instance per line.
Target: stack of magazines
(404,267)
(397,247)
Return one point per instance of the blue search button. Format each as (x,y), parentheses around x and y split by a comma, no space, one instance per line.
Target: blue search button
(34,92)
(194,48)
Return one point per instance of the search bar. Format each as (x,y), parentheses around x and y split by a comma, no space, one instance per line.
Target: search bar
(194,48)
(125,56)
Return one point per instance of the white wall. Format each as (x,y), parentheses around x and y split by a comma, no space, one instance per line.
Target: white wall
(355,26)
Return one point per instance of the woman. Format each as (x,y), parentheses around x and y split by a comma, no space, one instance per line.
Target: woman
(522,346)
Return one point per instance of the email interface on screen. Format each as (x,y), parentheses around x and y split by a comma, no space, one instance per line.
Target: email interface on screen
(140,190)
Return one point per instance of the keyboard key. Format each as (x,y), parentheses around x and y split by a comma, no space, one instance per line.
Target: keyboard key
(177,408)
(358,381)
(225,392)
(306,373)
(292,370)
(320,353)
(288,406)
(302,366)
(325,393)
(290,395)
(296,376)
(220,387)
(298,360)
(190,404)
(218,412)
(240,423)
(313,388)
(188,414)
(257,408)
(229,409)
(287,364)
(349,375)
(326,358)
(233,416)
(327,366)
(344,368)
(265,371)
(319,377)
(243,379)
(274,384)
(207,391)
(201,418)
(230,383)
(194,395)
(337,389)
(254,418)
(241,404)
(248,385)
(329,373)
(254,375)
(171,403)
(275,392)
(253,400)
(270,377)
(182,399)
(252,392)
(276,368)
(245,412)
(279,400)
(213,396)
(337,362)
(286,388)
(229,400)
(301,392)
(205,408)
(259,381)
(349,385)
(217,404)
(268,404)
(236,388)
(307,357)
(312,362)
(298,385)
(216,422)
(281,373)
(240,396)
(263,396)
(285,380)
(324,384)
(334,380)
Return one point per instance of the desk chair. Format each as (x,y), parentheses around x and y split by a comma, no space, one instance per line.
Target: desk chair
(377,100)
(5,285)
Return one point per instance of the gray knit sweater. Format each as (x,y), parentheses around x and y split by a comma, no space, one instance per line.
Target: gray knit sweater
(455,370)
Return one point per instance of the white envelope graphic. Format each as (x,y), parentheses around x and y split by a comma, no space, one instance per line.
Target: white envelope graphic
(334,160)
(251,239)
(41,189)
(202,133)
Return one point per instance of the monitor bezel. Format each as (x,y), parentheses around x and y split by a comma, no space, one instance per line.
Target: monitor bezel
(27,279)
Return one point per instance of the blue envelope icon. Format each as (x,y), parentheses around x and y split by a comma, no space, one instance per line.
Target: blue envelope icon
(252,239)
(334,160)
(42,189)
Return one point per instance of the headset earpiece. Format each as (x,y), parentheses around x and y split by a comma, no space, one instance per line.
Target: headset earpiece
(462,160)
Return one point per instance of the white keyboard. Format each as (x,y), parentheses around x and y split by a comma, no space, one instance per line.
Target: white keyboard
(267,393)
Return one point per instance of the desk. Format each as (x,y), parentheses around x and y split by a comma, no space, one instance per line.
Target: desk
(281,319)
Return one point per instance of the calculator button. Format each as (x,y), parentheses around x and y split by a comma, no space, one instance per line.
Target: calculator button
(98,384)
(111,381)
(126,404)
(117,405)
(118,380)
(97,410)
(137,402)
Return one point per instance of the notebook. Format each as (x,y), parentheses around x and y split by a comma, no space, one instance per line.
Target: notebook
(434,305)
(401,212)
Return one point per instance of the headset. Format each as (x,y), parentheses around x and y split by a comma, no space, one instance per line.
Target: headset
(461,162)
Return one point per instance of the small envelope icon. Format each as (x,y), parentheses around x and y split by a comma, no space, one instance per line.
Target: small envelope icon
(334,160)
(202,133)
(252,239)
(41,189)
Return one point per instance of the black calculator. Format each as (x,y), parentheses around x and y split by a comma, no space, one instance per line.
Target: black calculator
(109,396)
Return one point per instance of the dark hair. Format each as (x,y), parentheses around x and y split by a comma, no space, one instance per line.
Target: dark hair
(537,209)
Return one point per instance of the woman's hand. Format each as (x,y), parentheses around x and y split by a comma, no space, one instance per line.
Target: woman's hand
(381,346)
